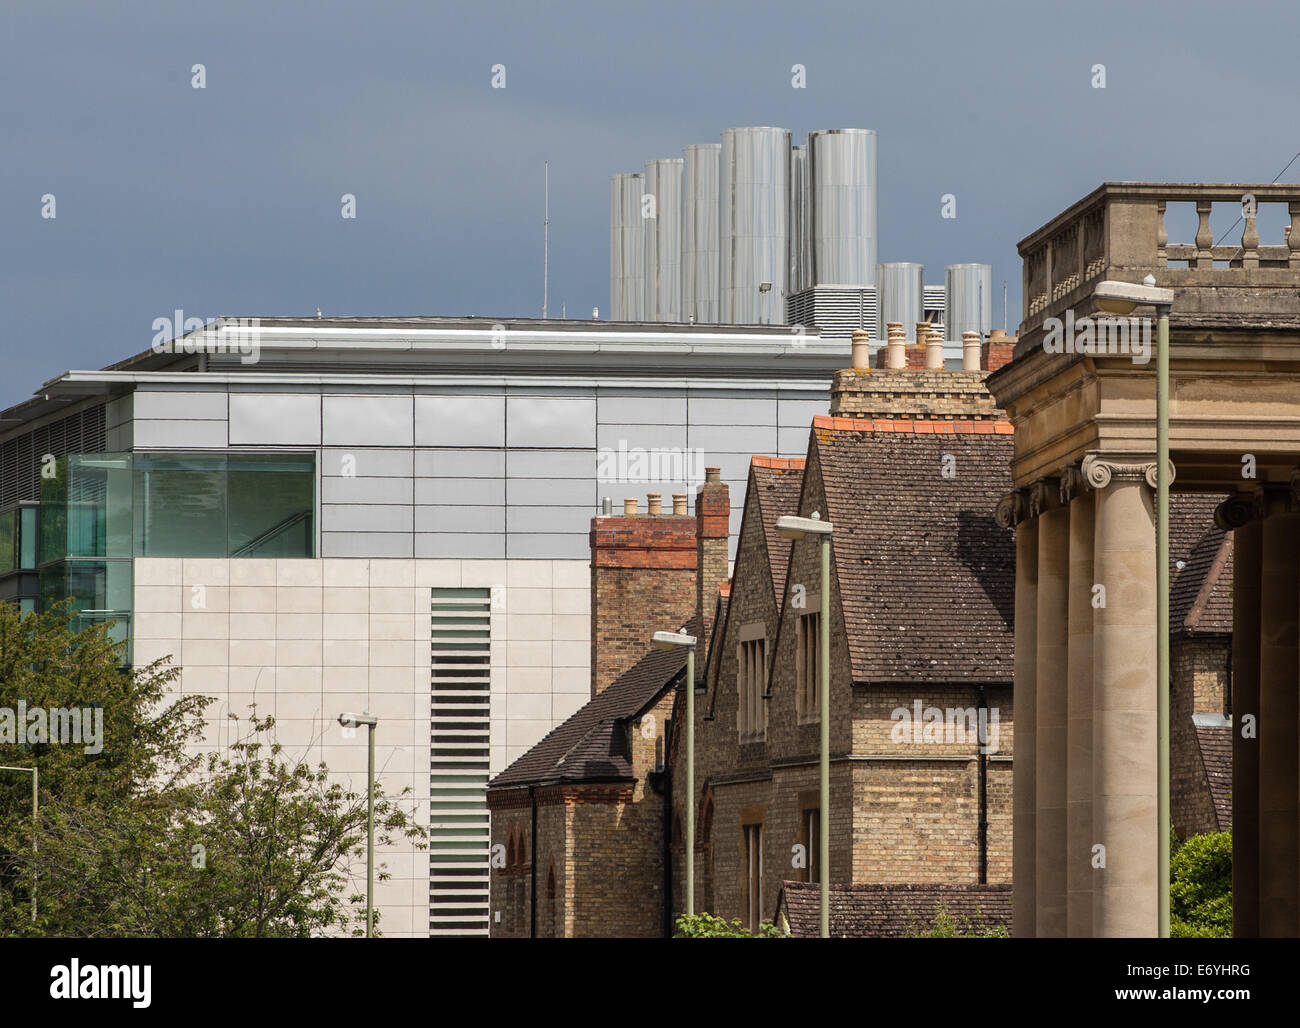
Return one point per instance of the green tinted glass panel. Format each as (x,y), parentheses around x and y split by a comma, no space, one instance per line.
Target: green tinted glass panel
(272,504)
(180,505)
(8,542)
(100,591)
(27,536)
(54,513)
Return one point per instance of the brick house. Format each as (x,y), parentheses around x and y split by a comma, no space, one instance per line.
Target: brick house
(921,591)
(580,822)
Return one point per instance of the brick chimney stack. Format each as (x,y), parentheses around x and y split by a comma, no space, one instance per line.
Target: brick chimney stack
(713,527)
(643,580)
(997,350)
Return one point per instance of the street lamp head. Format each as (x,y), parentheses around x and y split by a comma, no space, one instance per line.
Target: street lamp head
(671,640)
(1122,297)
(791,527)
(350,720)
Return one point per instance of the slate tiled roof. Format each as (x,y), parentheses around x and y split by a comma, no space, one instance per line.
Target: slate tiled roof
(590,745)
(1215,744)
(926,575)
(777,481)
(1200,595)
(891,911)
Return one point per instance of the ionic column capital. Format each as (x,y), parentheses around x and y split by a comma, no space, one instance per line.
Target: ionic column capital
(1100,469)
(1013,508)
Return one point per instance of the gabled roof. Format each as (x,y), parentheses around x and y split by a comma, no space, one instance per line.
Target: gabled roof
(926,575)
(892,911)
(590,746)
(1200,593)
(776,483)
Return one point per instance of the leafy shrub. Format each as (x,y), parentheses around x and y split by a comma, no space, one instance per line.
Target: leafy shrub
(1200,887)
(707,926)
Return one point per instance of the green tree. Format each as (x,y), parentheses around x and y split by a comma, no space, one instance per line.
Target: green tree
(1200,887)
(145,839)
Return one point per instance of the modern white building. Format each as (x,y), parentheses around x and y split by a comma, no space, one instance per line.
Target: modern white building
(383,514)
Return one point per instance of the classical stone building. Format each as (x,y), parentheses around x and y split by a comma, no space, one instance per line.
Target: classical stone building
(1085,473)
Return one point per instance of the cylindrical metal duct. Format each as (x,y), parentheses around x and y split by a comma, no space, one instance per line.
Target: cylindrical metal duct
(701,163)
(626,248)
(754,225)
(799,224)
(968,300)
(663,241)
(842,208)
(901,296)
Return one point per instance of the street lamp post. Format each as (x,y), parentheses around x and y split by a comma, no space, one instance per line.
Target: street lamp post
(804,528)
(669,641)
(35,772)
(1122,298)
(350,720)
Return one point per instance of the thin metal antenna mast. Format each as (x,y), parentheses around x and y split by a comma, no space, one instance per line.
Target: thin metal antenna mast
(546,237)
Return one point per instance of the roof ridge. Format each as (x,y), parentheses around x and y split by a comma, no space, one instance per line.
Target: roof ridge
(916,425)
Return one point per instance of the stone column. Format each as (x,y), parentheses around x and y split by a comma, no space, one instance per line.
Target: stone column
(1279,717)
(1125,900)
(1050,706)
(1078,774)
(1240,516)
(1013,512)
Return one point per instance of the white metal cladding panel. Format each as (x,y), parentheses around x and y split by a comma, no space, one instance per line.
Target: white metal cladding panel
(460,421)
(611,437)
(460,714)
(560,421)
(274,419)
(575,519)
(710,410)
(375,420)
(179,406)
(366,490)
(619,409)
(547,492)
(460,463)
(368,544)
(366,463)
(461,492)
(369,517)
(460,519)
(569,546)
(179,435)
(463,544)
(578,464)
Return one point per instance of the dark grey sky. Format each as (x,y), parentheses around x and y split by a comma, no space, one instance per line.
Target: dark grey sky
(226,200)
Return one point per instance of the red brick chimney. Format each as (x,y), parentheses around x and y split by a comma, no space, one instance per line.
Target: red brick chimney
(713,527)
(997,350)
(642,581)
